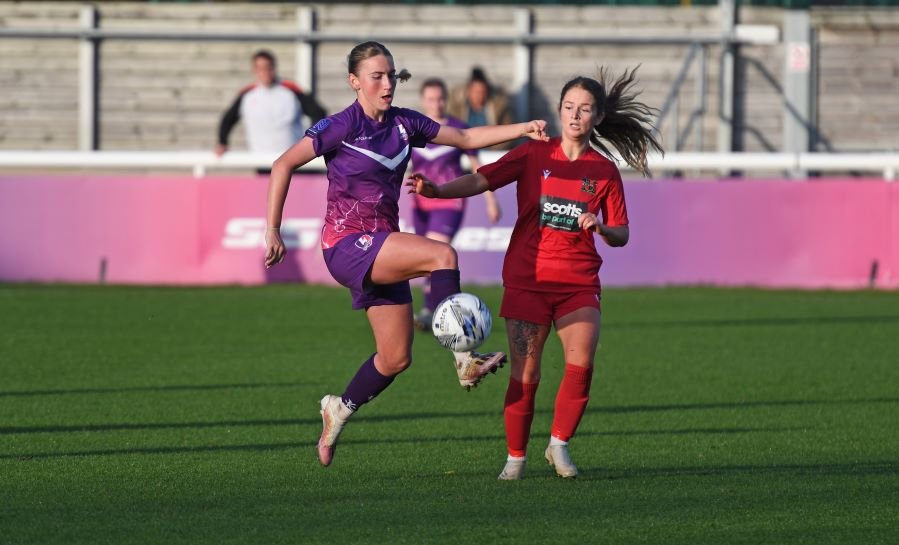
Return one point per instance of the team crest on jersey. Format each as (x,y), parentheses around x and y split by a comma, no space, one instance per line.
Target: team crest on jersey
(364,242)
(588,185)
(403,134)
(320,126)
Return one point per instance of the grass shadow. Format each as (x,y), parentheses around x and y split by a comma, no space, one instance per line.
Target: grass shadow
(538,470)
(381,440)
(172,388)
(126,426)
(767,321)
(862,468)
(738,405)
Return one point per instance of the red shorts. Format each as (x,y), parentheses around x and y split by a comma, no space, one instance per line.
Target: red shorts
(545,307)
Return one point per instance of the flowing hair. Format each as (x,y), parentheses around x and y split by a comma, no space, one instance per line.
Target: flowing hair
(626,122)
(367,50)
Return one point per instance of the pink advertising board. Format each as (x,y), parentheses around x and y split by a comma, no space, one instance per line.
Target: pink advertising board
(181,230)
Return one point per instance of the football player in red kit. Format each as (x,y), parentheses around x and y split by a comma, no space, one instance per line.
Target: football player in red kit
(568,189)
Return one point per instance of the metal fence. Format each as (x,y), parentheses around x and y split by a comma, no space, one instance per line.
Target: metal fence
(525,41)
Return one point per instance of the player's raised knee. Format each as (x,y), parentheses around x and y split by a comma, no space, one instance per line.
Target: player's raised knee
(444,257)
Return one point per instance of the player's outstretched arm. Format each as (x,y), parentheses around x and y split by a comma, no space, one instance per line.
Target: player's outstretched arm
(482,137)
(298,155)
(463,186)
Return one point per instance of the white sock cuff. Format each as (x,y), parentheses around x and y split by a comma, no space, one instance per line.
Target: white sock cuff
(511,458)
(555,441)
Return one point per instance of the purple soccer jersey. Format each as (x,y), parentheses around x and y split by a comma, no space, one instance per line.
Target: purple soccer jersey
(440,164)
(366,162)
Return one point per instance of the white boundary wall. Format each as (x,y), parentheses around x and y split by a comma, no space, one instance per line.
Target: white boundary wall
(199,162)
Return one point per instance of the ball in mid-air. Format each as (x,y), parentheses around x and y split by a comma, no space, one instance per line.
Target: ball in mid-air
(461,322)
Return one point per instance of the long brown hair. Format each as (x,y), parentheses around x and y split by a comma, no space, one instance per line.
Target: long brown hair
(367,50)
(626,122)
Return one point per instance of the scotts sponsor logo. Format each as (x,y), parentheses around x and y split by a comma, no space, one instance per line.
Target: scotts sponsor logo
(559,213)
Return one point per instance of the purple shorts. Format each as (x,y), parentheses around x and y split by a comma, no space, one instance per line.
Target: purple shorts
(350,262)
(443,221)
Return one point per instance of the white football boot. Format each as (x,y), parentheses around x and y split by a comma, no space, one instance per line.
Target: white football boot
(472,366)
(557,456)
(513,470)
(334,416)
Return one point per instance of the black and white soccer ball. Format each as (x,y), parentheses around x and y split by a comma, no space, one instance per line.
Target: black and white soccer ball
(461,322)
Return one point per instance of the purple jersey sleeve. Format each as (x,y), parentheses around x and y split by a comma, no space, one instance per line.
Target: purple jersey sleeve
(328,133)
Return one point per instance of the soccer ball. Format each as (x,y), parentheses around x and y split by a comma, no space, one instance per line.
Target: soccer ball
(461,322)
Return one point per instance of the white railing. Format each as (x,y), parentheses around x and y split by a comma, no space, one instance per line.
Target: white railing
(885,164)
(201,162)
(198,162)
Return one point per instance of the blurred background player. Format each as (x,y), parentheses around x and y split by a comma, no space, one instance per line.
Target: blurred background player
(366,150)
(272,110)
(550,272)
(479,103)
(439,219)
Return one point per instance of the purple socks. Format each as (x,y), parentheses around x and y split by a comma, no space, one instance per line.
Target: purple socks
(444,282)
(366,385)
(368,381)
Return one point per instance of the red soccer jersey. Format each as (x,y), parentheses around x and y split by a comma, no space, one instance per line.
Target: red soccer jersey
(548,251)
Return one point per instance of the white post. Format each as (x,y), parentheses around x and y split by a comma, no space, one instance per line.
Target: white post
(726,91)
(797,112)
(524,62)
(305,50)
(87,83)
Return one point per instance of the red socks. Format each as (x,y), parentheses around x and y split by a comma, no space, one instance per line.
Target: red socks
(518,413)
(571,401)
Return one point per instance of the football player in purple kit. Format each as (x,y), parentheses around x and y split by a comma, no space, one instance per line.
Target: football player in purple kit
(366,149)
(439,219)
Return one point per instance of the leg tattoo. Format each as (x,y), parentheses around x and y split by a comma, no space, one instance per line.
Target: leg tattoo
(524,338)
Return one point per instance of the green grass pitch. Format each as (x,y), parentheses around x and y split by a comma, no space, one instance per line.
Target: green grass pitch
(166,415)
